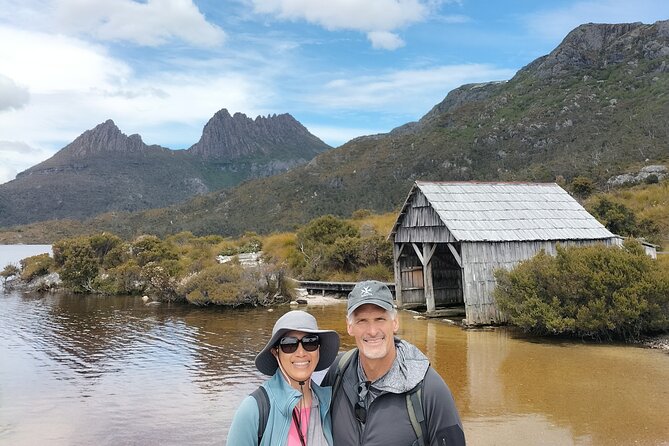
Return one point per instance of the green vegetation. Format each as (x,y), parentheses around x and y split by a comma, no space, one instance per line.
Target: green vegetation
(589,292)
(8,271)
(184,267)
(636,211)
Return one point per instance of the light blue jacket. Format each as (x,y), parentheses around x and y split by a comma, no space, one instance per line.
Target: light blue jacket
(282,399)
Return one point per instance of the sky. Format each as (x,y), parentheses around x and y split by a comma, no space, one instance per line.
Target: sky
(343,68)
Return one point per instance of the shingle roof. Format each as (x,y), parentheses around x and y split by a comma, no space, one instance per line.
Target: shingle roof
(475,211)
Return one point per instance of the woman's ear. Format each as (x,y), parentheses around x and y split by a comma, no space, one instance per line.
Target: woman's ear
(275,353)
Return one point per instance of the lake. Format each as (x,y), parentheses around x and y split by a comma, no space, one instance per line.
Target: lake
(82,370)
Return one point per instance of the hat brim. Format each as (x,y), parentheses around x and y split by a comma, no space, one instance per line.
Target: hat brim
(267,364)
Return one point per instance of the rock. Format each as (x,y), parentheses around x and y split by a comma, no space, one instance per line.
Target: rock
(659,171)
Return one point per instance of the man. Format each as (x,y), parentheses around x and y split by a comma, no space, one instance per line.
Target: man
(385,393)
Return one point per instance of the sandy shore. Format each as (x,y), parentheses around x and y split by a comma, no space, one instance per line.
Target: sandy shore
(317,299)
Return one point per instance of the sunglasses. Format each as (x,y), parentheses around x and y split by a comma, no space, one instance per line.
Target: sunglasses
(310,343)
(360,409)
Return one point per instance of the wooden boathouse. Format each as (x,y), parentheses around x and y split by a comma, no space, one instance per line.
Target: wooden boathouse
(450,237)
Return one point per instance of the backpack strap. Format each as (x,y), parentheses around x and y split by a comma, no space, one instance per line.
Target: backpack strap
(260,395)
(342,365)
(415,409)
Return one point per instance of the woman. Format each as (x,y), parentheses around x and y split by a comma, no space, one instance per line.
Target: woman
(299,408)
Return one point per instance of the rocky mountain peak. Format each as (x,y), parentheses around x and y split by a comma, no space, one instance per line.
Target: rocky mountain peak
(231,137)
(105,137)
(598,45)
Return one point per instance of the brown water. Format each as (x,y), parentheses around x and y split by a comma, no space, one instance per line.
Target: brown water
(113,371)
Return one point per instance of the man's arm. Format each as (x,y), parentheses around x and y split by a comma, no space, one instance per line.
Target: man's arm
(442,417)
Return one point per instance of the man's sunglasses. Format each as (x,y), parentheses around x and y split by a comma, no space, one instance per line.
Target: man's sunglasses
(310,343)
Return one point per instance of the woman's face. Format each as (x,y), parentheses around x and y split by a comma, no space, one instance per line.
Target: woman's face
(300,364)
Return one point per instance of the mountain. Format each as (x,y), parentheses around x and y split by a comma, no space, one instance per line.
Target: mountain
(104,170)
(596,106)
(227,138)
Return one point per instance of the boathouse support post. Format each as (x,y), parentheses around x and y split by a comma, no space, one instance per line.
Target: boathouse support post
(428,283)
(397,252)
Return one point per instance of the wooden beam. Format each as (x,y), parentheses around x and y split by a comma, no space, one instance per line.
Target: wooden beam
(428,250)
(427,253)
(418,253)
(397,251)
(455,254)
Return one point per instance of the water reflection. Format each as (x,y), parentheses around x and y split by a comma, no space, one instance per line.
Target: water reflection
(100,370)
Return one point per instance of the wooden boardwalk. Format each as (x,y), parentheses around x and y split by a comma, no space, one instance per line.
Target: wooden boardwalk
(318,287)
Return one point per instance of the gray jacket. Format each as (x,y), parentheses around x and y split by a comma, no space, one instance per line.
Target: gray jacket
(388,420)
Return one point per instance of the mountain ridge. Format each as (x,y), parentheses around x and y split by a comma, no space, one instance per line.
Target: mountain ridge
(105,170)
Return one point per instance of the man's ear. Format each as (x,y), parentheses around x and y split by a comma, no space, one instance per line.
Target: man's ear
(396,324)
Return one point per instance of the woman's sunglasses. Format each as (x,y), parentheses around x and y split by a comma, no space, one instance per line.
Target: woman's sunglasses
(310,343)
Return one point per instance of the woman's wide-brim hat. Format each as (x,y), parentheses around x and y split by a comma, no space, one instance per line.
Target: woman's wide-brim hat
(298,320)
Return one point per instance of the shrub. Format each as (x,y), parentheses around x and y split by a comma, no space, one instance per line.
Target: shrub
(149,248)
(77,263)
(590,292)
(220,284)
(376,271)
(160,279)
(122,279)
(582,186)
(9,270)
(36,266)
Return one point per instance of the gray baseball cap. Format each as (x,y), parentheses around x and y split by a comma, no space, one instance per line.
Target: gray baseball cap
(370,292)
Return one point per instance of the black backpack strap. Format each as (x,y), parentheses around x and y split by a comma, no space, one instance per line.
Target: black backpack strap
(342,365)
(416,415)
(260,395)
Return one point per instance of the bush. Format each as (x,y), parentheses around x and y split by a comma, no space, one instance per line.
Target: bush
(582,186)
(77,263)
(376,272)
(10,270)
(36,266)
(122,279)
(590,292)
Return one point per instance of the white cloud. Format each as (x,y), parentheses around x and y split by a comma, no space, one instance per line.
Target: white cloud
(555,23)
(12,96)
(149,23)
(385,40)
(16,157)
(390,91)
(75,85)
(48,63)
(377,18)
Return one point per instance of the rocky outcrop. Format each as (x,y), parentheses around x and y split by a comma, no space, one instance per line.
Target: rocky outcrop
(653,173)
(238,136)
(460,96)
(106,137)
(598,45)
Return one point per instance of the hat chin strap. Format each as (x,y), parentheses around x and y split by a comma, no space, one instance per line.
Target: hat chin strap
(288,377)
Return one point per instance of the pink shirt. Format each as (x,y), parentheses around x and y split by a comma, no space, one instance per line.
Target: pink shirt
(293,437)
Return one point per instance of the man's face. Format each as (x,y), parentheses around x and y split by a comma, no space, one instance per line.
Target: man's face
(373,330)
